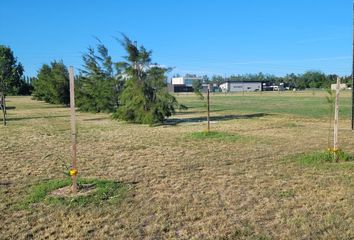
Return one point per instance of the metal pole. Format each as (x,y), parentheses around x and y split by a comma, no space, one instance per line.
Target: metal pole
(73,170)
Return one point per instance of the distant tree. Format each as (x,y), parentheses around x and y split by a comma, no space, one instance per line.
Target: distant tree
(206,79)
(52,84)
(197,87)
(217,79)
(25,87)
(190,75)
(10,76)
(99,83)
(145,98)
(315,79)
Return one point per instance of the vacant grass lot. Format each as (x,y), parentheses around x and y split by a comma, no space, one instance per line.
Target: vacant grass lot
(243,182)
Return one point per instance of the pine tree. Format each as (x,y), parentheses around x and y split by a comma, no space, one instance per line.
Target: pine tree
(99,84)
(145,98)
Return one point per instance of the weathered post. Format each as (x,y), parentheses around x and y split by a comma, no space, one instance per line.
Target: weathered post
(3,107)
(336,116)
(208,102)
(73,170)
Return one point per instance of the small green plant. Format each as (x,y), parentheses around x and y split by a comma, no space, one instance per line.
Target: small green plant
(286,194)
(197,86)
(330,99)
(104,191)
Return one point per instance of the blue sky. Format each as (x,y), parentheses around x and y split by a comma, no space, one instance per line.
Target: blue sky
(203,37)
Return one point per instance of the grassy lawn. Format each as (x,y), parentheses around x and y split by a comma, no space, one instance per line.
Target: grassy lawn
(246,180)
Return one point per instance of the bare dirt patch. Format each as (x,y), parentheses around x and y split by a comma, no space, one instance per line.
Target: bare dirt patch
(83,190)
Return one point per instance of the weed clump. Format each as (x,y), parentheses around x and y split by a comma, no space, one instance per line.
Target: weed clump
(324,157)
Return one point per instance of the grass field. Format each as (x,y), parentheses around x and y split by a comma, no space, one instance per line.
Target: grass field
(248,180)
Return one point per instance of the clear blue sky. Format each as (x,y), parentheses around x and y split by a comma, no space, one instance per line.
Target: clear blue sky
(196,36)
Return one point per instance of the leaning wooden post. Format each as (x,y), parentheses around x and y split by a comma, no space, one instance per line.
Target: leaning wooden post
(3,107)
(73,170)
(336,115)
(208,102)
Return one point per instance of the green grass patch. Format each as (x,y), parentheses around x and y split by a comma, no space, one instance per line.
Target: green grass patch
(326,159)
(301,104)
(105,191)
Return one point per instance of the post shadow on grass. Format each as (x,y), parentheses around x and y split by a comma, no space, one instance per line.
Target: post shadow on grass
(176,121)
(198,112)
(35,117)
(95,119)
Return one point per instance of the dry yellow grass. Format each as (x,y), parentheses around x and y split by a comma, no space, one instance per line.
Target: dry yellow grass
(182,188)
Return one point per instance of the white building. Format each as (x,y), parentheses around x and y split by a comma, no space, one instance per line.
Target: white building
(187,81)
(235,86)
(342,86)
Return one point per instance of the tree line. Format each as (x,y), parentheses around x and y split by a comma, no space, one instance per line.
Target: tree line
(309,79)
(134,90)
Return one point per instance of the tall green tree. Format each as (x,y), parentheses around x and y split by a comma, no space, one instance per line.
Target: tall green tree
(10,76)
(99,83)
(52,84)
(145,98)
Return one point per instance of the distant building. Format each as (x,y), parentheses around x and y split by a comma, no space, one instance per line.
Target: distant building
(183,84)
(236,86)
(187,81)
(342,86)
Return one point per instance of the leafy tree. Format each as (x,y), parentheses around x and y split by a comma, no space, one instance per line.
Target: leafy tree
(315,79)
(52,84)
(145,98)
(100,82)
(217,79)
(10,76)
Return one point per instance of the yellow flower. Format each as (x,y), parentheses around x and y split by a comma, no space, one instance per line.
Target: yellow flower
(73,172)
(333,150)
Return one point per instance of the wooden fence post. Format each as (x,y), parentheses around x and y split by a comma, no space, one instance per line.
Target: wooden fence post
(3,107)
(73,170)
(336,116)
